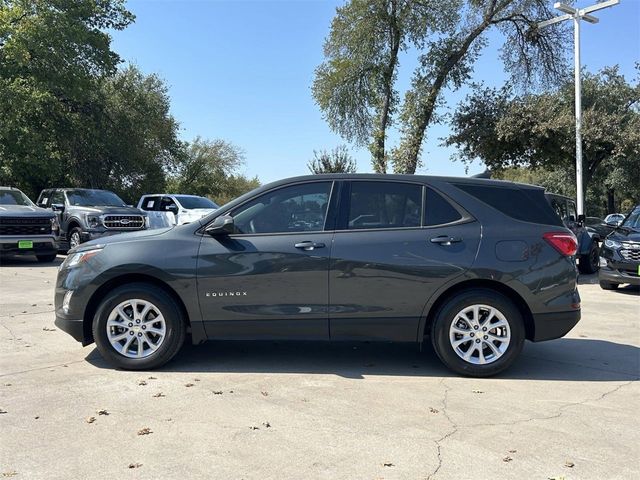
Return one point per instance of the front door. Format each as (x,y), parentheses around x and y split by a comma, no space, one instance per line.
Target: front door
(270,278)
(394,245)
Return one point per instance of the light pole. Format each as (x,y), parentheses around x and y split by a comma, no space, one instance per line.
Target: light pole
(576,15)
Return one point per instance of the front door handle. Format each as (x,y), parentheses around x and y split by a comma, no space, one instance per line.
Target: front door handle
(445,240)
(308,245)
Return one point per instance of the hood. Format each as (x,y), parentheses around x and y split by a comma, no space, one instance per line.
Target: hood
(123,237)
(24,211)
(107,210)
(625,235)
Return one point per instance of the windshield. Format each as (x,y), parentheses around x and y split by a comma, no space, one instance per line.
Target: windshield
(633,219)
(91,198)
(189,202)
(14,197)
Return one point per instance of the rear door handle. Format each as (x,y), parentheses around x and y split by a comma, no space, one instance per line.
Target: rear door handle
(445,240)
(308,245)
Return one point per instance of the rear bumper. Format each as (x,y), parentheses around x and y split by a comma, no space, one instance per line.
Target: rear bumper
(554,325)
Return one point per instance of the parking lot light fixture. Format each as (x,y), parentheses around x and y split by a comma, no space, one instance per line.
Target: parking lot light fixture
(577,14)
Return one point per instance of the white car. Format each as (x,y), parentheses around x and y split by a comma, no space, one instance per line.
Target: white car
(165,210)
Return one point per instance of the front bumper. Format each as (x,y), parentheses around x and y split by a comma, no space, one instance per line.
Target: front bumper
(548,326)
(42,245)
(614,275)
(75,328)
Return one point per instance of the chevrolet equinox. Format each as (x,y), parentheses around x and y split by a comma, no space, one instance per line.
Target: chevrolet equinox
(474,266)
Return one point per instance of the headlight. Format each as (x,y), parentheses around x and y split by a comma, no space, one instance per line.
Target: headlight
(77,258)
(612,243)
(55,226)
(93,221)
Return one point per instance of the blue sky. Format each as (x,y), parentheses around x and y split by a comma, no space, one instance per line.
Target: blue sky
(242,71)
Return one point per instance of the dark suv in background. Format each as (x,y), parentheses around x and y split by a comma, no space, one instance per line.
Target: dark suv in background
(475,266)
(85,214)
(588,237)
(26,229)
(620,255)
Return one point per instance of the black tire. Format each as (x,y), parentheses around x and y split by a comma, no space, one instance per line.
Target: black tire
(175,326)
(72,237)
(590,263)
(47,258)
(447,314)
(609,285)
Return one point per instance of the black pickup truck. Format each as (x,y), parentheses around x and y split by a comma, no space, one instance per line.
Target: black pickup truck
(86,214)
(26,229)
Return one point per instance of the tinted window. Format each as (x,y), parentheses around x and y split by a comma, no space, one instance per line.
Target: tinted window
(57,198)
(384,205)
(526,204)
(150,203)
(90,198)
(298,208)
(438,211)
(195,202)
(14,197)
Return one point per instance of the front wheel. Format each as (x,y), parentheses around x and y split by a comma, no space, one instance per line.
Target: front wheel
(75,237)
(590,263)
(138,327)
(478,332)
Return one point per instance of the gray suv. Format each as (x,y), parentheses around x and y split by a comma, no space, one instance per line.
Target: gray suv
(26,229)
(473,266)
(86,214)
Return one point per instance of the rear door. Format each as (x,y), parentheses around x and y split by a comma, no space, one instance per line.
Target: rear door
(396,243)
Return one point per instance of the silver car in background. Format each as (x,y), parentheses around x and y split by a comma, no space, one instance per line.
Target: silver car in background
(167,210)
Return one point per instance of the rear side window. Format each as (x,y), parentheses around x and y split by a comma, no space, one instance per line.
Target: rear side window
(526,204)
(439,211)
(384,205)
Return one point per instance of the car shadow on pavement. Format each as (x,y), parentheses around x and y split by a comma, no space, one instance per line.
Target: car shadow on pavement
(566,359)
(22,261)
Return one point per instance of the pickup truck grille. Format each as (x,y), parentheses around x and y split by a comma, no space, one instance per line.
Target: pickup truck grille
(632,255)
(25,226)
(124,222)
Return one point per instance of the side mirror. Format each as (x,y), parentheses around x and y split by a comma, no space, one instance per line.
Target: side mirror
(221,226)
(173,209)
(57,207)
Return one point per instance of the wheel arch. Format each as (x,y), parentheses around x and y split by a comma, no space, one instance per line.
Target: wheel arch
(499,287)
(125,279)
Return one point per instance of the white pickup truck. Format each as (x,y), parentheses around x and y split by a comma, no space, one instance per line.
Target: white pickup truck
(167,209)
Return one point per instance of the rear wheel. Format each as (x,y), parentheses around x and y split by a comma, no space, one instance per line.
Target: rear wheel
(478,332)
(46,258)
(138,327)
(590,263)
(609,285)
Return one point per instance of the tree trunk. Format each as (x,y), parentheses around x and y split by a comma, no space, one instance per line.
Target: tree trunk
(611,201)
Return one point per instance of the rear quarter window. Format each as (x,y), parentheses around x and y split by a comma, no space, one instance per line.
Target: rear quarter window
(526,204)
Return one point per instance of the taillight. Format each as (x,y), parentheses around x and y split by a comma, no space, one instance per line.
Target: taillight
(563,242)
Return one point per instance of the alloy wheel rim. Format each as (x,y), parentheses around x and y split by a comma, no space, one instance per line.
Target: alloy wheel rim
(136,328)
(480,334)
(75,239)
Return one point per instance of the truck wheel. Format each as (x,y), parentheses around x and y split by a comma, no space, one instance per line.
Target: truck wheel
(478,333)
(138,327)
(608,285)
(46,258)
(75,237)
(590,263)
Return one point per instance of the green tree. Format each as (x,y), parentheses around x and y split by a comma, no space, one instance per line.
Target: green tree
(354,86)
(337,160)
(537,131)
(52,54)
(210,168)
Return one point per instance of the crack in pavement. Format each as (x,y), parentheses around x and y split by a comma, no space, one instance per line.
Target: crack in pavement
(448,434)
(457,427)
(13,335)
(23,314)
(40,368)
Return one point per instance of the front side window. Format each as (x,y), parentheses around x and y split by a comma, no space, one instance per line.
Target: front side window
(384,205)
(57,198)
(298,208)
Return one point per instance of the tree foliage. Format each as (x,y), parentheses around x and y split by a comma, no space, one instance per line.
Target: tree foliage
(210,168)
(355,85)
(537,131)
(337,160)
